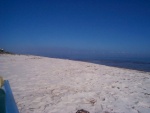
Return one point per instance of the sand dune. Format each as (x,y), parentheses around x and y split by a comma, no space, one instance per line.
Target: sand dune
(48,85)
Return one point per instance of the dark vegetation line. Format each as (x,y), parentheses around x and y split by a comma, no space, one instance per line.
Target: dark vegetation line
(2,51)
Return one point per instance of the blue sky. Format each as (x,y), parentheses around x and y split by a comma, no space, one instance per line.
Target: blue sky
(93,27)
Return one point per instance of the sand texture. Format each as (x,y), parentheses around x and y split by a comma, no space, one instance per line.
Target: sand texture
(48,85)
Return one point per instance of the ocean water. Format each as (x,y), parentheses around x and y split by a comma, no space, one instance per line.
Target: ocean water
(140,64)
(134,63)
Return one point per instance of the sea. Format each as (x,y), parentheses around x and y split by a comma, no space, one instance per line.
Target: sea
(128,62)
(140,64)
(134,64)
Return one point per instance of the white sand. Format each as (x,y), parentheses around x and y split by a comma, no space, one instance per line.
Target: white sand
(48,85)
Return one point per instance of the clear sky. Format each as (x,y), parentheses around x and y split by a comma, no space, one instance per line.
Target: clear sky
(95,27)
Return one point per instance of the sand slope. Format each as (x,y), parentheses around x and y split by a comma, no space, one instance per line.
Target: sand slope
(48,85)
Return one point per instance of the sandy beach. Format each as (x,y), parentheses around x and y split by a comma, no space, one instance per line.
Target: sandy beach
(49,85)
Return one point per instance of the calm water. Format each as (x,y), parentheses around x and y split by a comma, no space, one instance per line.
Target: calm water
(140,64)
